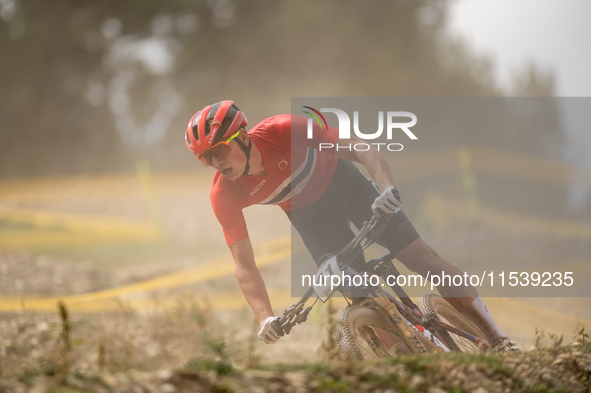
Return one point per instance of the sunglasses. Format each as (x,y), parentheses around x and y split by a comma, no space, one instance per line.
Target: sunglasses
(219,151)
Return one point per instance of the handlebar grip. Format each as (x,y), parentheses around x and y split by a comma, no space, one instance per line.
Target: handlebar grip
(384,217)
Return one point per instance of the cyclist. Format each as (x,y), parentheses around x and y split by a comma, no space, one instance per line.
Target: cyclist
(321,192)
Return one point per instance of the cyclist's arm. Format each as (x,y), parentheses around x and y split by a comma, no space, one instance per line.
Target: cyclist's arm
(372,159)
(250,280)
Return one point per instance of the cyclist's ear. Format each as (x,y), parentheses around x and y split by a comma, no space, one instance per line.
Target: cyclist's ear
(244,138)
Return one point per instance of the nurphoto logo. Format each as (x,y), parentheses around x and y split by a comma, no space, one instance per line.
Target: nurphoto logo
(392,123)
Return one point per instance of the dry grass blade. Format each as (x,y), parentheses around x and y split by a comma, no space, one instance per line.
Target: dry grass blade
(66,345)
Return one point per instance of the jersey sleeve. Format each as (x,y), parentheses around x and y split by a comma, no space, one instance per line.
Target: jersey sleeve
(229,215)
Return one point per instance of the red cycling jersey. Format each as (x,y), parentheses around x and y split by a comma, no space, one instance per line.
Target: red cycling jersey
(294,174)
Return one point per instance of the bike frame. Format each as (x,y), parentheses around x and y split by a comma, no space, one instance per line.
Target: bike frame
(370,231)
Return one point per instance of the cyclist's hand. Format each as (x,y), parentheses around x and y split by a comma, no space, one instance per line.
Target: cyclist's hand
(270,330)
(386,203)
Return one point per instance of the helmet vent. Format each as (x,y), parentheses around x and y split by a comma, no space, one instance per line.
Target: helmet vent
(194,127)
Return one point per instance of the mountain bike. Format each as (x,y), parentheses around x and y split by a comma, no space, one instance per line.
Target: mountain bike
(376,324)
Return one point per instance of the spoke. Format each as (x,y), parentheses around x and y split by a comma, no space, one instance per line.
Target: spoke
(372,354)
(381,340)
(463,343)
(379,334)
(382,335)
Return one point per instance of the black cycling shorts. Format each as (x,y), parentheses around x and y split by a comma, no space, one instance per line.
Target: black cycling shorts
(324,224)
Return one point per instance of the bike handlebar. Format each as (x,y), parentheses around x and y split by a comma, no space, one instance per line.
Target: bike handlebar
(296,314)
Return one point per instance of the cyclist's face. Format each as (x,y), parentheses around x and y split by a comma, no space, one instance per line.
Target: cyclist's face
(231,166)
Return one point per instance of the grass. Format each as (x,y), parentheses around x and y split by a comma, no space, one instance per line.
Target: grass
(215,355)
(64,389)
(220,367)
(27,374)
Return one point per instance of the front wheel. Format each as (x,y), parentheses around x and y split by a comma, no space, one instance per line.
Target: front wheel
(434,306)
(366,333)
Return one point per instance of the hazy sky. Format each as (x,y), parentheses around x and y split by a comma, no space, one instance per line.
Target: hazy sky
(555,34)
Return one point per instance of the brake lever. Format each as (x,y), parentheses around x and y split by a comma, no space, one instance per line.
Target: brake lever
(377,225)
(293,316)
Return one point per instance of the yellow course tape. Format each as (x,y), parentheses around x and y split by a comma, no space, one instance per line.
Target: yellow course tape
(42,239)
(80,223)
(270,252)
(527,168)
(442,211)
(438,162)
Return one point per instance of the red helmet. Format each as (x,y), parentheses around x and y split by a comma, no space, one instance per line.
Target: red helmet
(213,124)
